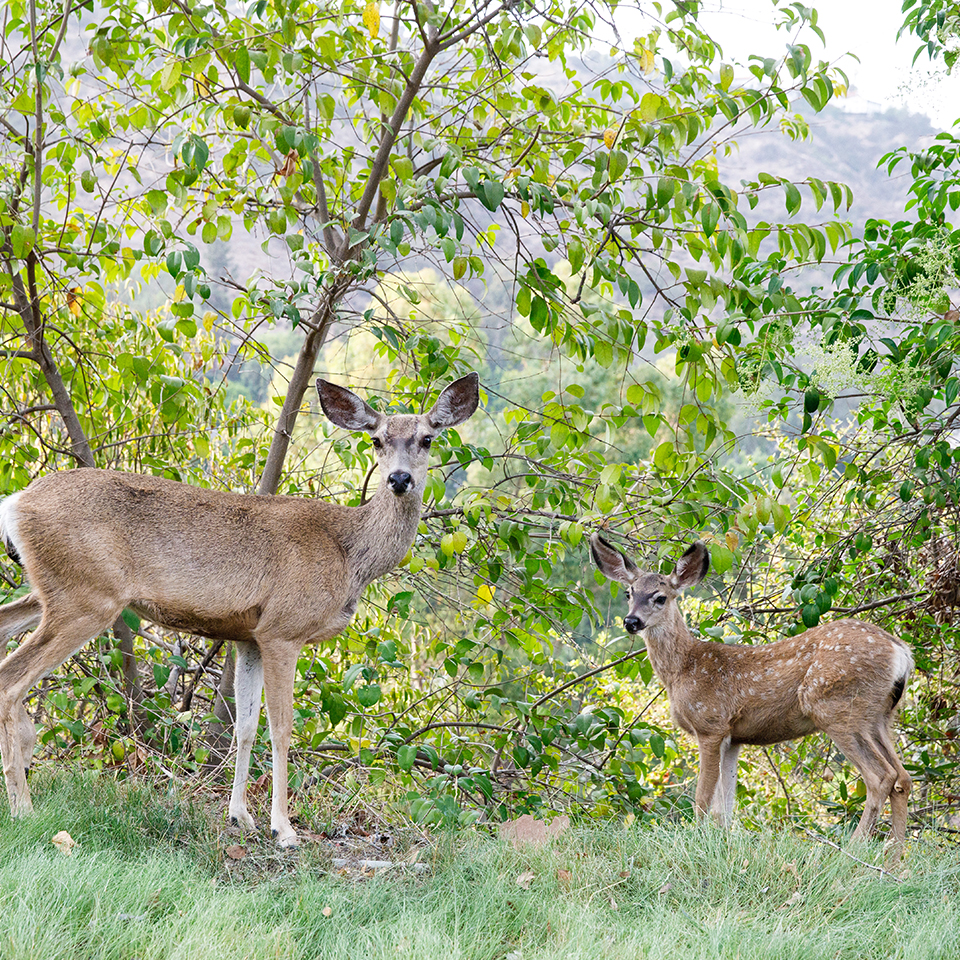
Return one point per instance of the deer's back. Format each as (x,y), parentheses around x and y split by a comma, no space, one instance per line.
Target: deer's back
(204,561)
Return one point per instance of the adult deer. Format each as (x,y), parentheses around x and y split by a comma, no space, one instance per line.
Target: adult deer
(269,573)
(845,678)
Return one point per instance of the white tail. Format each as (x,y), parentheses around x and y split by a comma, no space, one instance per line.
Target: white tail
(269,573)
(845,678)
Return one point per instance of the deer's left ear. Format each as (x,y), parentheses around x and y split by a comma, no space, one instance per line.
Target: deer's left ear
(692,567)
(612,563)
(457,402)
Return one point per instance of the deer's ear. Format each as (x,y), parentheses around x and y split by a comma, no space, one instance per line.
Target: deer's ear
(457,402)
(692,567)
(612,563)
(344,408)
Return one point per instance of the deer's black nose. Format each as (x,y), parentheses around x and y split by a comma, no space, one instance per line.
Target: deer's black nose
(400,482)
(632,624)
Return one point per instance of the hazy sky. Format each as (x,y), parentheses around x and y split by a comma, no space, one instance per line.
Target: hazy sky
(868,28)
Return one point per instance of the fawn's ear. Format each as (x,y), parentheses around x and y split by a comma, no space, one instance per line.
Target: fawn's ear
(457,402)
(344,408)
(692,567)
(612,563)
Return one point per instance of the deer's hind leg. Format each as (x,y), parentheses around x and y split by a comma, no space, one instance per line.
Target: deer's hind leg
(248,689)
(899,793)
(879,774)
(55,639)
(279,671)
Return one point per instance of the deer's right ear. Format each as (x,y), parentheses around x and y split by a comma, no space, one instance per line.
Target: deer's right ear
(344,408)
(458,401)
(612,563)
(692,567)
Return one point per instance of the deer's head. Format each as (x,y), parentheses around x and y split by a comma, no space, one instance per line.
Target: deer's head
(651,595)
(401,441)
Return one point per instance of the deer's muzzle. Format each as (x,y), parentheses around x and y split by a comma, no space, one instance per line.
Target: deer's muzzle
(400,482)
(632,624)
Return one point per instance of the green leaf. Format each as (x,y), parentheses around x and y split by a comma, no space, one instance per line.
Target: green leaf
(709,218)
(650,105)
(402,167)
(369,695)
(603,352)
(664,456)
(407,756)
(539,313)
(350,677)
(792,198)
(575,255)
(490,194)
(22,239)
(666,186)
(617,165)
(241,61)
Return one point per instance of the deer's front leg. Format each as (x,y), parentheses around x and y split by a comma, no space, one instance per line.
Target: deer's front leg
(279,669)
(710,750)
(725,793)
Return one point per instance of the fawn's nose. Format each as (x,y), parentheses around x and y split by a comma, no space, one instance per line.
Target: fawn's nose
(632,624)
(400,482)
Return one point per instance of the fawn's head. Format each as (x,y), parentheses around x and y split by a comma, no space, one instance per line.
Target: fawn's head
(401,440)
(650,595)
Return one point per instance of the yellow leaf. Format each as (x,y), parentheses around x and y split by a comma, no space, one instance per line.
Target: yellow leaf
(73,300)
(371,18)
(610,137)
(647,62)
(485,593)
(524,208)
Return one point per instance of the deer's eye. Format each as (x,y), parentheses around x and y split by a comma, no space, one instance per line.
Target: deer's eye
(659,600)
(425,442)
(377,443)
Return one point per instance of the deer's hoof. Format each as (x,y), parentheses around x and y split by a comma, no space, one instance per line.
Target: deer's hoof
(244,821)
(287,839)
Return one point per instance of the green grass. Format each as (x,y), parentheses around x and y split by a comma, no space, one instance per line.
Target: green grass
(148,879)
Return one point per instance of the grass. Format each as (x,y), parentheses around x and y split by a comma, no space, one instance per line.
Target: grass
(150,879)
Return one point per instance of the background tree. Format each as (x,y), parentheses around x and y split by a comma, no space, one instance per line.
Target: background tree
(629,308)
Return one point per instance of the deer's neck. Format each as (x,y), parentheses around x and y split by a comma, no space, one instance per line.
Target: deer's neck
(669,646)
(381,532)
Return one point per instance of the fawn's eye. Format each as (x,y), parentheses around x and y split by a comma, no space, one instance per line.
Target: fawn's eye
(377,443)
(425,442)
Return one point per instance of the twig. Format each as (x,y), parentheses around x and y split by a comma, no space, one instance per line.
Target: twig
(863,863)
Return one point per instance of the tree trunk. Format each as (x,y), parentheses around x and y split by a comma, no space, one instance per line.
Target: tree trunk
(29,309)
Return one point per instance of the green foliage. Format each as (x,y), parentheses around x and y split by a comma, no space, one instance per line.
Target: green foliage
(481,188)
